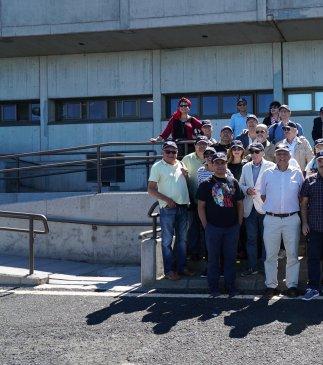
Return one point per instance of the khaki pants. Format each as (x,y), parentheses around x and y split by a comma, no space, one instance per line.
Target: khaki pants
(276,228)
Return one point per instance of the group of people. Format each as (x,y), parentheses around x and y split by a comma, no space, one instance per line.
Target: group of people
(253,176)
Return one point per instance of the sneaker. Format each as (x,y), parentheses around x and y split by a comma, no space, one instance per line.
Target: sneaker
(248,273)
(172,276)
(310,294)
(292,292)
(204,274)
(271,292)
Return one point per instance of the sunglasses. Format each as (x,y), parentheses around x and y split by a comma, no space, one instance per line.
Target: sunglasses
(255,151)
(286,129)
(170,152)
(183,105)
(262,132)
(237,149)
(242,104)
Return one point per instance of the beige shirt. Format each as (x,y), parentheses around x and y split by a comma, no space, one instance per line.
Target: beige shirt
(192,162)
(170,182)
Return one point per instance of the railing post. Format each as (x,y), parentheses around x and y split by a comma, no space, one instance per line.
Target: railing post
(31,246)
(18,175)
(98,168)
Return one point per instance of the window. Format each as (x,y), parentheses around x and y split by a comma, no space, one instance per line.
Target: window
(318,100)
(112,170)
(300,102)
(304,101)
(211,105)
(19,111)
(103,109)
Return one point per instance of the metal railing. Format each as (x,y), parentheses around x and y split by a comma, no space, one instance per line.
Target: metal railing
(97,162)
(31,230)
(154,215)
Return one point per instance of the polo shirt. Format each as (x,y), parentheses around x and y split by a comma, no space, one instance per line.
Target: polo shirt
(192,162)
(281,189)
(238,123)
(170,182)
(313,190)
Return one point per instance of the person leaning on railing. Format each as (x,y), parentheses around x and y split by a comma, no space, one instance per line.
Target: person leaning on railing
(181,126)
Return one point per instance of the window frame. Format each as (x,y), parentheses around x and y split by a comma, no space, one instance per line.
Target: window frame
(15,121)
(311,91)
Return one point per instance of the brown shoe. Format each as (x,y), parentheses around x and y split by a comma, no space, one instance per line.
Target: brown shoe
(172,276)
(186,272)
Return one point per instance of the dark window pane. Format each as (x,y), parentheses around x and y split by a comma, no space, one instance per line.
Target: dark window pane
(249,99)
(129,108)
(23,111)
(173,104)
(9,112)
(194,109)
(35,112)
(264,101)
(210,105)
(146,108)
(97,109)
(119,109)
(72,111)
(229,104)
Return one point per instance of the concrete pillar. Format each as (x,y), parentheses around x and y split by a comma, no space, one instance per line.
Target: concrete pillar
(124,15)
(261,10)
(148,262)
(44,104)
(278,72)
(157,105)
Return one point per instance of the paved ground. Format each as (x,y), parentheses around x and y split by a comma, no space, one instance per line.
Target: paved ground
(50,327)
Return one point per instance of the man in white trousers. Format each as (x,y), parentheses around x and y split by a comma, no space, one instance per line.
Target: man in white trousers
(280,188)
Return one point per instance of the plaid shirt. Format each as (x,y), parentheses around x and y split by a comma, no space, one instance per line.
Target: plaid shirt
(313,190)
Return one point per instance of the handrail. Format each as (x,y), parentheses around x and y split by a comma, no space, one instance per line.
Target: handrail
(154,216)
(93,222)
(32,232)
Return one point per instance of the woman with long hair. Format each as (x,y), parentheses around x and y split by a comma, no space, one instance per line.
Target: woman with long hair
(236,158)
(273,114)
(181,126)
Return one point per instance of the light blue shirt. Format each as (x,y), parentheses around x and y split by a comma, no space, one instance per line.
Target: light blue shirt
(281,189)
(238,123)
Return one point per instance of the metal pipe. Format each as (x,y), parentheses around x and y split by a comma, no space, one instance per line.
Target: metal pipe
(98,169)
(31,246)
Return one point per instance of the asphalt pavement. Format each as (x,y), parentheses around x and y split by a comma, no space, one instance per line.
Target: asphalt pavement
(59,327)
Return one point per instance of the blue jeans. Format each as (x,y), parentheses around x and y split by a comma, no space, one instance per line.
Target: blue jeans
(314,251)
(221,240)
(255,229)
(195,235)
(173,221)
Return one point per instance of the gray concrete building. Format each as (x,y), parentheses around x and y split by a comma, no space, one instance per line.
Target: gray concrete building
(75,72)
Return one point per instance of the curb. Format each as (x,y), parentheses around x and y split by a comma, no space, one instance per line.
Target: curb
(21,280)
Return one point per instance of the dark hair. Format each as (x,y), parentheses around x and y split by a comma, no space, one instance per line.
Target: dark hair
(272,104)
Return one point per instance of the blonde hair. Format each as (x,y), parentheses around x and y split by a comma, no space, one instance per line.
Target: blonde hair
(230,155)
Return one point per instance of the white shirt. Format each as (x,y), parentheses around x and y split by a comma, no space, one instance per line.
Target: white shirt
(281,189)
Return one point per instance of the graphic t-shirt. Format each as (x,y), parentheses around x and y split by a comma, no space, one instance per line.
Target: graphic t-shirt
(221,196)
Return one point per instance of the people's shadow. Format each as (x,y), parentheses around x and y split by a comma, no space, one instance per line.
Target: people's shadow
(165,313)
(296,313)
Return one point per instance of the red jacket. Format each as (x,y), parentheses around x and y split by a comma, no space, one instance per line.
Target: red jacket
(179,130)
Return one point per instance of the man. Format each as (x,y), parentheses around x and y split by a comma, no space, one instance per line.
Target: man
(312,226)
(220,210)
(226,138)
(207,130)
(192,162)
(311,167)
(262,137)
(249,135)
(238,120)
(299,147)
(167,183)
(280,187)
(317,131)
(252,203)
(276,133)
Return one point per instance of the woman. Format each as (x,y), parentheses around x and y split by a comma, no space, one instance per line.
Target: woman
(272,116)
(235,158)
(181,126)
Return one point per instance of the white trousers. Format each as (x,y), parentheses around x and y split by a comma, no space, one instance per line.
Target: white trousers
(276,228)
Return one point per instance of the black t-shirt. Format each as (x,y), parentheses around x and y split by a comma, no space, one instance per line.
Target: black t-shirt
(221,196)
(236,169)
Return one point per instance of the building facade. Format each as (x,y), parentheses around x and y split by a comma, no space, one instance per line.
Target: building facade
(74,72)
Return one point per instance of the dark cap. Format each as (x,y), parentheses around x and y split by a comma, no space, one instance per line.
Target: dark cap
(318,141)
(209,149)
(227,127)
(206,123)
(321,109)
(219,156)
(170,144)
(252,116)
(282,147)
(256,146)
(241,100)
(237,143)
(291,124)
(285,106)
(202,139)
(319,155)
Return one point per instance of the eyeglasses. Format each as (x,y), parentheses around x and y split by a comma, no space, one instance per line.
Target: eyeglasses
(170,152)
(183,105)
(242,104)
(262,132)
(286,129)
(236,149)
(255,151)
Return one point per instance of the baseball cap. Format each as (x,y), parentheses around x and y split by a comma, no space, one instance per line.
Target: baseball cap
(256,146)
(319,155)
(227,127)
(321,109)
(291,124)
(237,143)
(206,123)
(169,144)
(201,139)
(241,100)
(252,116)
(219,156)
(209,149)
(285,106)
(318,141)
(282,147)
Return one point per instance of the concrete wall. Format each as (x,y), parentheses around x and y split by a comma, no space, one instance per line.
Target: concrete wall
(117,245)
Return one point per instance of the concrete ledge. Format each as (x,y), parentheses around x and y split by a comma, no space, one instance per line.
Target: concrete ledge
(27,280)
